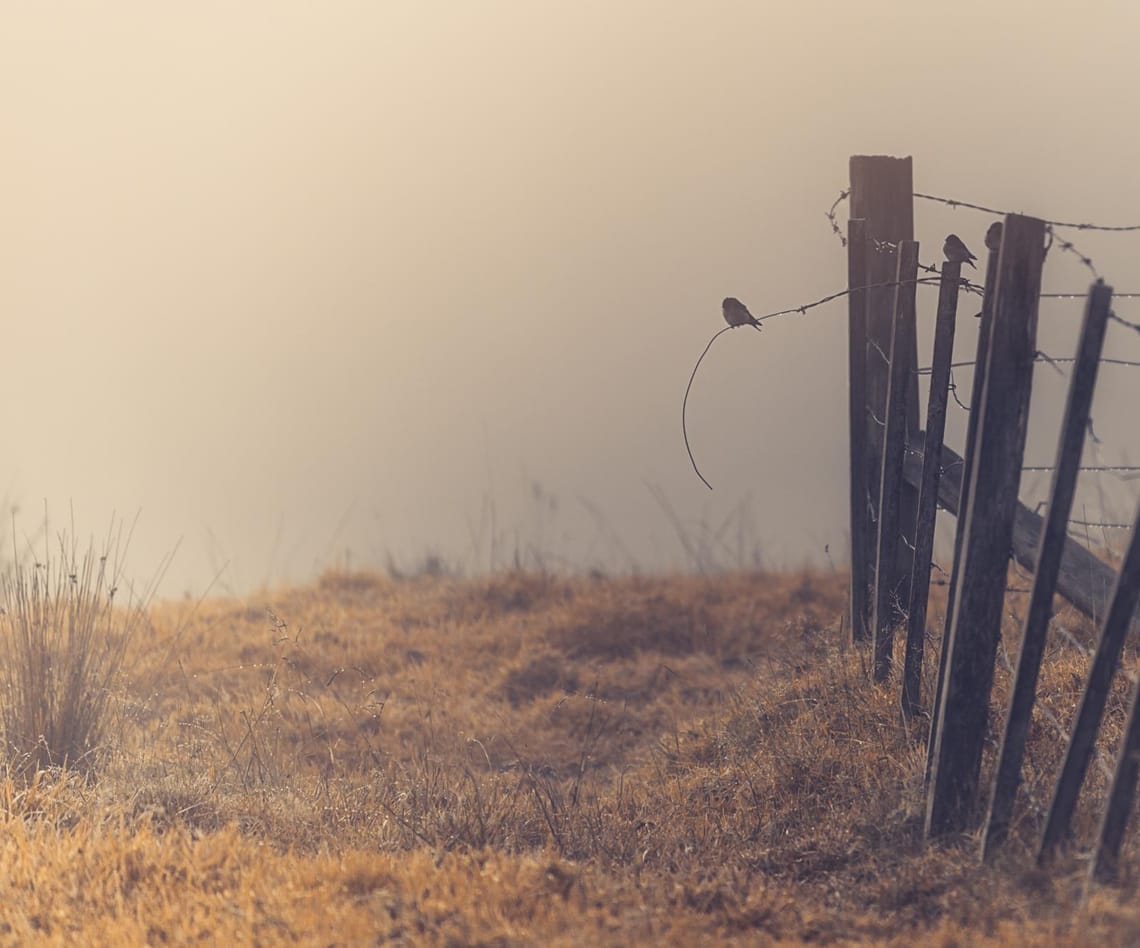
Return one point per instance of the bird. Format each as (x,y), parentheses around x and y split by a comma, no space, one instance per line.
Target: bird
(993,236)
(957,252)
(736,313)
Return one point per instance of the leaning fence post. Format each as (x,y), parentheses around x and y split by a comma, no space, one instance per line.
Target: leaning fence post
(1107,854)
(857,418)
(996,471)
(985,328)
(1048,566)
(888,582)
(1095,696)
(928,490)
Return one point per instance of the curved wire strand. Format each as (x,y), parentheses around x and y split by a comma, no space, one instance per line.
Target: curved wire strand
(685,404)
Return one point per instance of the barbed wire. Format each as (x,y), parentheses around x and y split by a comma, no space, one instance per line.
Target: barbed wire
(831,216)
(1054,362)
(804,307)
(955,203)
(1069,295)
(1068,247)
(1068,360)
(1091,468)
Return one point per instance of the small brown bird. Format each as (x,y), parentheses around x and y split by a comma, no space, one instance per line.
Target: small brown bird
(993,236)
(736,313)
(957,252)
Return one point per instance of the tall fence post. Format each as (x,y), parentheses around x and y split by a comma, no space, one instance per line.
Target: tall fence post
(1095,696)
(857,417)
(1007,776)
(928,490)
(996,471)
(985,328)
(888,581)
(882,194)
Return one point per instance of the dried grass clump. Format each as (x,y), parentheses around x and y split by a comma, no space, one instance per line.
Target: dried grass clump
(63,643)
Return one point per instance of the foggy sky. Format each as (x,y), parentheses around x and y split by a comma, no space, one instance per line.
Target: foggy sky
(302,282)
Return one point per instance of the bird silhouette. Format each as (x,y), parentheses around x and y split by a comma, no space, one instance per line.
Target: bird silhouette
(957,252)
(993,236)
(736,313)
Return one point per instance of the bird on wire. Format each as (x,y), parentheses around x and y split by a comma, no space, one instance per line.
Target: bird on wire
(736,313)
(957,252)
(993,236)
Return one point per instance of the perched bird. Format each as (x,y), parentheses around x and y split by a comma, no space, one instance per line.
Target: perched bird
(736,313)
(993,236)
(957,252)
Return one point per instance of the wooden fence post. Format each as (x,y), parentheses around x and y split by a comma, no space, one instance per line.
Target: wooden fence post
(888,582)
(882,194)
(1107,854)
(1095,696)
(985,328)
(1048,566)
(857,417)
(996,471)
(928,490)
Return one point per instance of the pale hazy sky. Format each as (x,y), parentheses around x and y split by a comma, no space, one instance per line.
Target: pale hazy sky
(293,279)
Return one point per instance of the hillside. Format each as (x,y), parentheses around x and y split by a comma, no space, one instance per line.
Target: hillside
(522,760)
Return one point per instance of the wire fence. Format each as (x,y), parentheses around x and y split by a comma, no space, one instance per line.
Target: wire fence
(1055,240)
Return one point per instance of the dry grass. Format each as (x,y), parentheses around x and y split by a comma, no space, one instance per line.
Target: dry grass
(526,760)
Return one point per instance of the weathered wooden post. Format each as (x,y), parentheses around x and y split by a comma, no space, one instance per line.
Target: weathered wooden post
(928,490)
(888,580)
(1120,797)
(882,195)
(1091,709)
(857,417)
(994,477)
(1048,566)
(985,328)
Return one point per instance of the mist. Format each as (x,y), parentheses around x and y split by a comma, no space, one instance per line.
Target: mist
(308,285)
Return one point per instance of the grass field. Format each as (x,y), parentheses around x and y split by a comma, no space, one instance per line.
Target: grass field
(526,760)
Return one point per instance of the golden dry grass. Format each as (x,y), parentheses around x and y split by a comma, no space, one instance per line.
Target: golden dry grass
(529,760)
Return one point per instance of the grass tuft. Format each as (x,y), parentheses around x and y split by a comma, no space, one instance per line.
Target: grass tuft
(64,643)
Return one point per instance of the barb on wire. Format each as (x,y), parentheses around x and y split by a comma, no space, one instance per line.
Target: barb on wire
(685,404)
(1067,247)
(1102,524)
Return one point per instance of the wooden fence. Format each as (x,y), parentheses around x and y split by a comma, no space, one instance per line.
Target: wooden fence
(901,474)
